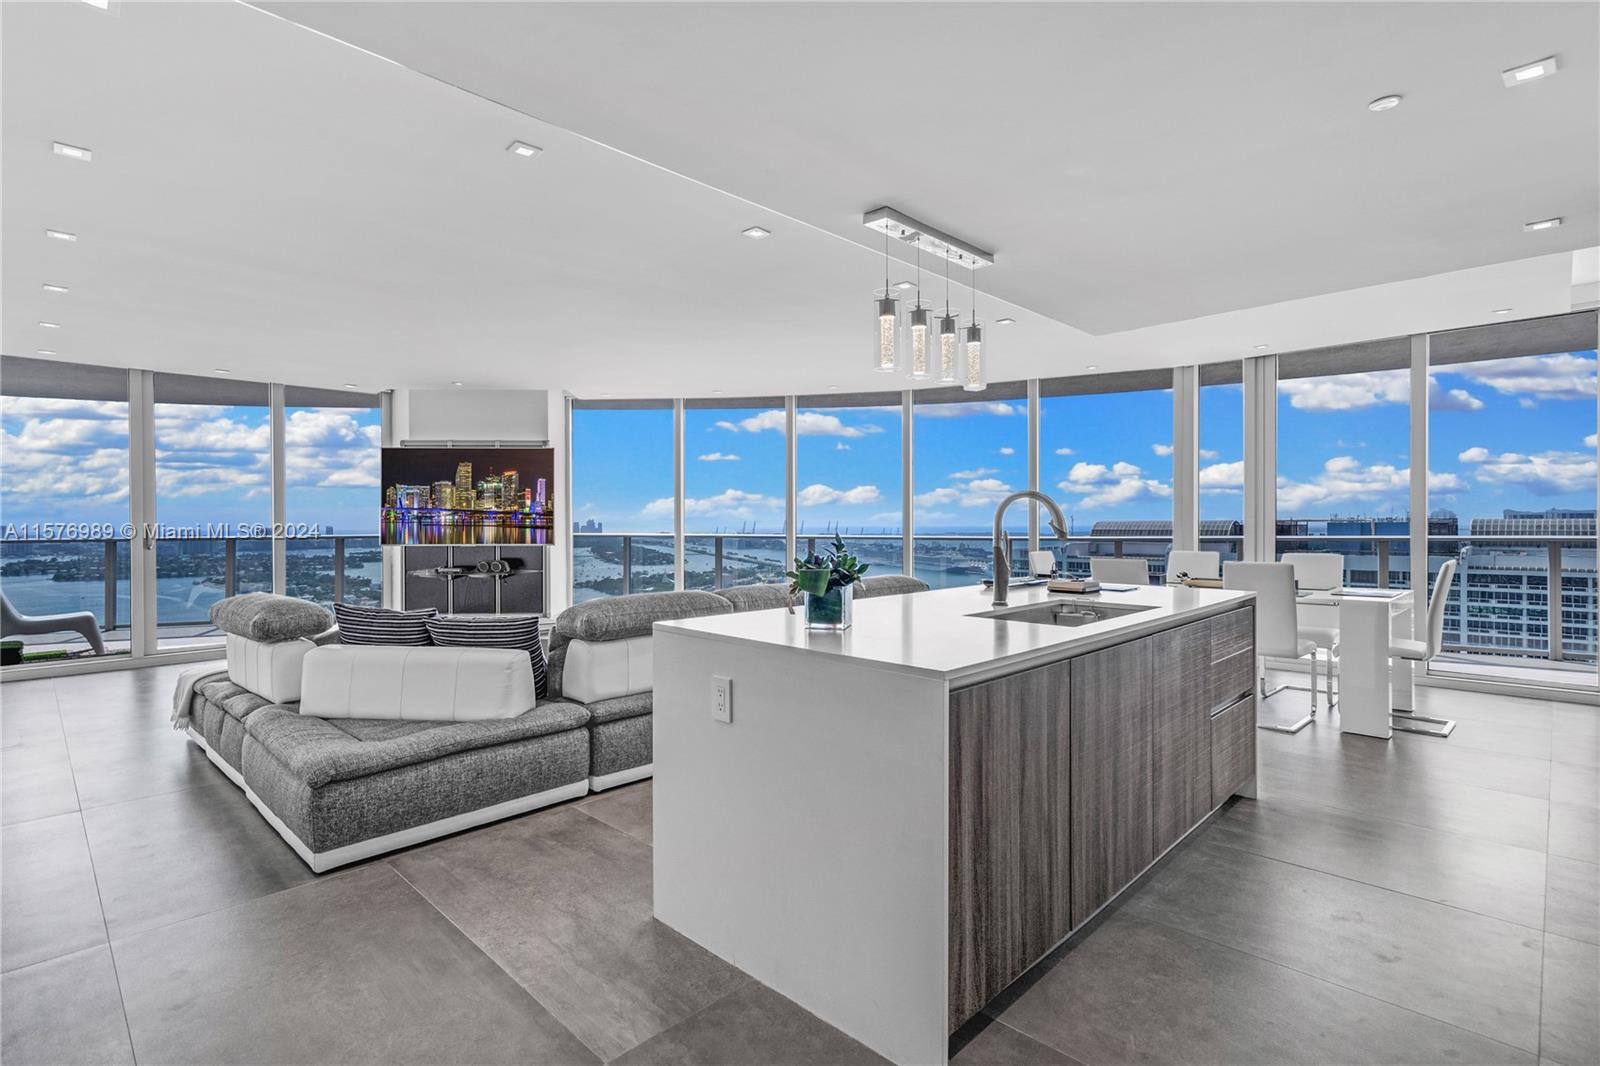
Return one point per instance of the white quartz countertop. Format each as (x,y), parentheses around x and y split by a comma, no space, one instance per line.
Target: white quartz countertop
(936,634)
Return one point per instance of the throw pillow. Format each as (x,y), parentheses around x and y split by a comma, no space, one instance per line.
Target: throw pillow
(379,625)
(494,631)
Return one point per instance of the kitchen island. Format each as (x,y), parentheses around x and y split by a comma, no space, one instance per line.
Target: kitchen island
(891,824)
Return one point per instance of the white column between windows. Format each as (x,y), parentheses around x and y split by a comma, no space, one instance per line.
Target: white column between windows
(141,512)
(908,536)
(677,494)
(1260,458)
(790,476)
(280,549)
(1034,473)
(1185,458)
(1419,487)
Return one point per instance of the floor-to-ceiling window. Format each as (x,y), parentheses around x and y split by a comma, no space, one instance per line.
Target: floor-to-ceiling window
(734,477)
(1221,458)
(213,499)
(64,501)
(1105,453)
(332,450)
(623,492)
(1344,468)
(848,475)
(1511,441)
(969,453)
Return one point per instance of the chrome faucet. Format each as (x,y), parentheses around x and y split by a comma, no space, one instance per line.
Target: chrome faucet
(1002,544)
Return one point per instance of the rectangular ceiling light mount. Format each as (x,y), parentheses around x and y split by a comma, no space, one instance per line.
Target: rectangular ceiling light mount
(1539,68)
(72,151)
(919,234)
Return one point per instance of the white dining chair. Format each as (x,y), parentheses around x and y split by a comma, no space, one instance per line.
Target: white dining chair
(1042,563)
(1420,651)
(1277,631)
(1201,564)
(1111,570)
(1319,572)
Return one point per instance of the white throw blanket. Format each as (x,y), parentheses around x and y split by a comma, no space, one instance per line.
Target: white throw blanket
(187,682)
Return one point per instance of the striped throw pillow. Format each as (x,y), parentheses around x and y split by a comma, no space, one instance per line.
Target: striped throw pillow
(494,631)
(379,625)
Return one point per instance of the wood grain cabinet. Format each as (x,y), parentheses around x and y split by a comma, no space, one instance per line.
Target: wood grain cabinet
(1181,749)
(1233,749)
(1113,698)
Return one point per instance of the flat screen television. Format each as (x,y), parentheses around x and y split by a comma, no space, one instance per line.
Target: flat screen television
(468,496)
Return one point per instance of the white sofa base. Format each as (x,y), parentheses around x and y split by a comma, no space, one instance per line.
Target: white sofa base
(622,777)
(321,862)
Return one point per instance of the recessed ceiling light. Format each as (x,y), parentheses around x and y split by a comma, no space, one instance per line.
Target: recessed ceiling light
(1005,321)
(103,5)
(1091,367)
(1543,223)
(904,285)
(60,235)
(220,370)
(1385,103)
(523,149)
(1261,347)
(716,392)
(1502,310)
(54,288)
(348,385)
(755,233)
(457,384)
(43,351)
(833,388)
(50,325)
(1539,68)
(72,151)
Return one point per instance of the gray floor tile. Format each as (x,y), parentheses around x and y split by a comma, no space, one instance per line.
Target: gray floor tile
(131,764)
(356,968)
(1575,832)
(1570,1028)
(63,1012)
(1531,742)
(28,713)
(1478,875)
(627,808)
(1477,972)
(49,905)
(97,704)
(1000,1045)
(1137,991)
(1413,759)
(751,1025)
(1520,821)
(1572,899)
(563,902)
(1478,707)
(1574,719)
(1577,749)
(165,858)
(1574,784)
(36,782)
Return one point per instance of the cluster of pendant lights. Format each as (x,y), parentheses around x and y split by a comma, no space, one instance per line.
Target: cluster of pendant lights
(960,360)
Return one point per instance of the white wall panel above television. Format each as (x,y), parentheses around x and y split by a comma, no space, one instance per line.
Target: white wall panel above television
(475,416)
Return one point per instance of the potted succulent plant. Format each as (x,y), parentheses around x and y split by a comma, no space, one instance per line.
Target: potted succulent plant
(828,582)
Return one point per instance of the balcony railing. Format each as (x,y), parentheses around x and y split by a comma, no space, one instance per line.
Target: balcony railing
(42,577)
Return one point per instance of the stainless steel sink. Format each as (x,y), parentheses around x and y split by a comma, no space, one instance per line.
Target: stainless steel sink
(1064,613)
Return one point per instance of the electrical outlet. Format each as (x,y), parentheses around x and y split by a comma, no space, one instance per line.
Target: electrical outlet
(722,699)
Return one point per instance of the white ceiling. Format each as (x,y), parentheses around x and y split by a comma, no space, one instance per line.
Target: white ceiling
(271,201)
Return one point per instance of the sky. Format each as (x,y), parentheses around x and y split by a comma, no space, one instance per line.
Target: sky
(1509,433)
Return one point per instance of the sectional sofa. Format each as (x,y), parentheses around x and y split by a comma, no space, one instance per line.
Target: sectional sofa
(339,790)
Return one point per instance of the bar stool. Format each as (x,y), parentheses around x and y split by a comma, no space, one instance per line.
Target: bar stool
(1277,631)
(1201,564)
(1119,571)
(1420,651)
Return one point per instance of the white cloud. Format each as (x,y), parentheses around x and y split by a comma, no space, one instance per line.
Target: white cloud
(841,447)
(1546,474)
(1008,450)
(1547,377)
(1222,477)
(1103,486)
(976,492)
(729,503)
(1591,440)
(982,471)
(1345,479)
(1161,449)
(1064,451)
(821,495)
(1207,453)
(1440,399)
(806,424)
(718,457)
(961,410)
(1350,392)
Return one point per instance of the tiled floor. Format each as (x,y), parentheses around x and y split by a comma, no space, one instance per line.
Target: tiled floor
(1421,901)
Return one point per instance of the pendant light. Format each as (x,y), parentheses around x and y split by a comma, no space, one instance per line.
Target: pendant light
(919,329)
(888,318)
(947,335)
(973,379)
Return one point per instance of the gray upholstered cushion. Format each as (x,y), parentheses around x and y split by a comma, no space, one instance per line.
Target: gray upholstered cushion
(219,713)
(622,616)
(756,597)
(889,585)
(621,707)
(632,616)
(268,618)
(317,751)
(619,745)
